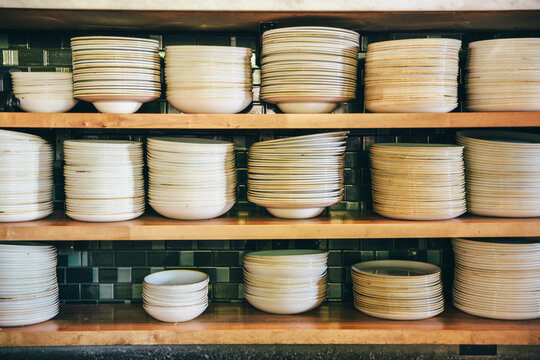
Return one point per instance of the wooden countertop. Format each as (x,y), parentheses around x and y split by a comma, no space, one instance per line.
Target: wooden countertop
(334,323)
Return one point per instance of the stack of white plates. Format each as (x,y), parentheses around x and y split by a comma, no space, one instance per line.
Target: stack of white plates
(413,75)
(191,178)
(309,69)
(509,85)
(116,74)
(503,172)
(104,179)
(297,177)
(398,289)
(175,295)
(208,79)
(498,278)
(418,181)
(28,286)
(26,177)
(285,281)
(45,92)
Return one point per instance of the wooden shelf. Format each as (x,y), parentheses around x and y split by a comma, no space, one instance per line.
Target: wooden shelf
(269,121)
(334,323)
(259,225)
(159,20)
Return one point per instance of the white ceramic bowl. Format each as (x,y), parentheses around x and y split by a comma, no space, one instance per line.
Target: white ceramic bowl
(283,307)
(192,211)
(46,105)
(172,281)
(209,105)
(175,314)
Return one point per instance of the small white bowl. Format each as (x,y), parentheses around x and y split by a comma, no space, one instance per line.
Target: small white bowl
(186,211)
(117,107)
(177,280)
(46,105)
(292,213)
(175,314)
(283,307)
(307,107)
(209,105)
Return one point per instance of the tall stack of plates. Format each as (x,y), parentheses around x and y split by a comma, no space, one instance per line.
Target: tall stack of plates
(191,178)
(26,177)
(503,172)
(297,177)
(398,289)
(309,69)
(46,92)
(104,179)
(509,85)
(208,79)
(175,295)
(498,278)
(418,181)
(116,74)
(285,281)
(28,286)
(413,75)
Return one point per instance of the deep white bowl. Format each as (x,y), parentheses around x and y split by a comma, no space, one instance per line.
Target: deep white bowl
(284,307)
(190,211)
(209,105)
(46,105)
(175,314)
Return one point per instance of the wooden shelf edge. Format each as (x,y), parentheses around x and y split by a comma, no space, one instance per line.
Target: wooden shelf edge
(259,225)
(332,323)
(269,121)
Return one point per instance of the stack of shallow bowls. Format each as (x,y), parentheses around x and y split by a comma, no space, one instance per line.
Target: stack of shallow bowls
(398,289)
(191,178)
(285,281)
(104,179)
(413,75)
(498,278)
(45,92)
(509,85)
(175,295)
(309,69)
(116,74)
(28,286)
(503,172)
(297,177)
(26,177)
(418,181)
(208,79)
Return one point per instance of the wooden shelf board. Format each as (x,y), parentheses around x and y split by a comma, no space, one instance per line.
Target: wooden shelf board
(333,323)
(362,21)
(269,121)
(259,225)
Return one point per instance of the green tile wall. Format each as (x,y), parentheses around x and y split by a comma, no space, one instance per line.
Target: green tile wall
(112,271)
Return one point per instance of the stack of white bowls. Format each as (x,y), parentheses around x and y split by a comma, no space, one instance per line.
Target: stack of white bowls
(398,289)
(297,177)
(104,180)
(116,74)
(418,181)
(509,85)
(503,172)
(413,75)
(28,286)
(498,278)
(285,281)
(191,178)
(309,69)
(45,92)
(208,79)
(175,295)
(26,177)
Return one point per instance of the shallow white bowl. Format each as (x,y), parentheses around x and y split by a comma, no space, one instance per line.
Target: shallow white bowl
(46,105)
(175,314)
(283,307)
(185,211)
(307,107)
(117,107)
(290,213)
(209,105)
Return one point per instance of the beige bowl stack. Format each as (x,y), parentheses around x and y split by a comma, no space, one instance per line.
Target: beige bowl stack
(503,172)
(116,74)
(512,84)
(309,69)
(418,181)
(104,180)
(44,92)
(498,278)
(28,285)
(285,281)
(26,177)
(175,295)
(191,178)
(398,289)
(413,75)
(297,177)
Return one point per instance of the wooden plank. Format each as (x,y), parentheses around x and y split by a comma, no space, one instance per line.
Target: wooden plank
(269,121)
(255,225)
(334,323)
